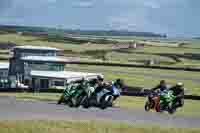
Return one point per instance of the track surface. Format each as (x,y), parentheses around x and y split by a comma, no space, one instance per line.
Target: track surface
(12,109)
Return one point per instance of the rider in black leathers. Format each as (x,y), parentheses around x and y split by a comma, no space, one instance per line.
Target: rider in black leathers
(161,87)
(178,91)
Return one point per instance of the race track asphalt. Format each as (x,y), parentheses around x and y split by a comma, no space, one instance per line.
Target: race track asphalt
(12,109)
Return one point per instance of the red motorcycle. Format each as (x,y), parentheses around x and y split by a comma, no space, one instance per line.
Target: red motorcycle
(152,101)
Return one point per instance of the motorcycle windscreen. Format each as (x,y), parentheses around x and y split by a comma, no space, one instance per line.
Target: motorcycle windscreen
(116,91)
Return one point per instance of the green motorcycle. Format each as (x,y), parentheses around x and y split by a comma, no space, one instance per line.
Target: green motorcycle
(75,94)
(68,93)
(166,102)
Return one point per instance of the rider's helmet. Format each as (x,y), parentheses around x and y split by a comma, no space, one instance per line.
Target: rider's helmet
(119,83)
(84,82)
(100,77)
(82,79)
(162,83)
(180,85)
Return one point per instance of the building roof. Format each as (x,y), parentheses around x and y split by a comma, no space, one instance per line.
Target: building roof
(37,48)
(69,75)
(4,65)
(44,58)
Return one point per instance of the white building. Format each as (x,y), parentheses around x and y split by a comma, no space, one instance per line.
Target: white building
(41,68)
(4,74)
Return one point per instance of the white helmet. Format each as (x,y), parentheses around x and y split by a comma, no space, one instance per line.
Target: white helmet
(100,77)
(179,84)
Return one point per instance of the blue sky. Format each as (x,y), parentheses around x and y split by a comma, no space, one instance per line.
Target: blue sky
(174,17)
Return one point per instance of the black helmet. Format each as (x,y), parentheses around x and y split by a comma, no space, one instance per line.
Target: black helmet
(119,82)
(100,77)
(162,82)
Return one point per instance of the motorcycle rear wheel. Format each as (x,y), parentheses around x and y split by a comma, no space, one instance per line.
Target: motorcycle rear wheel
(86,104)
(147,106)
(80,100)
(171,109)
(103,106)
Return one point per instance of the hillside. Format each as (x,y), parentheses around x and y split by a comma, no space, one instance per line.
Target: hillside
(10,28)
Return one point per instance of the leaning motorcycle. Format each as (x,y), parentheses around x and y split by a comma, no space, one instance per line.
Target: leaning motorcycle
(166,102)
(103,99)
(77,98)
(67,94)
(152,101)
(82,93)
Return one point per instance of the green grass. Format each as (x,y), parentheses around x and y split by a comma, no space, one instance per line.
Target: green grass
(34,96)
(154,49)
(156,52)
(28,40)
(4,54)
(138,78)
(84,127)
(143,77)
(194,43)
(188,63)
(137,58)
(80,49)
(134,70)
(191,108)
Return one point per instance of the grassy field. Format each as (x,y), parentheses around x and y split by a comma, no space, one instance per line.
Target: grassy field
(83,127)
(146,78)
(194,43)
(132,76)
(153,49)
(134,57)
(191,108)
(36,41)
(157,49)
(34,96)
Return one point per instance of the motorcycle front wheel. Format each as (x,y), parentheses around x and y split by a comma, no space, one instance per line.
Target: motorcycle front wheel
(86,104)
(106,103)
(70,103)
(60,100)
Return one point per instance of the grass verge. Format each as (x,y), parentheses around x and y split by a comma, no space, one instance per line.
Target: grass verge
(83,127)
(146,78)
(191,107)
(34,96)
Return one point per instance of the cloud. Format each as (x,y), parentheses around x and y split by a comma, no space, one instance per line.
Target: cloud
(165,16)
(52,1)
(5,4)
(152,4)
(121,23)
(174,17)
(129,21)
(83,3)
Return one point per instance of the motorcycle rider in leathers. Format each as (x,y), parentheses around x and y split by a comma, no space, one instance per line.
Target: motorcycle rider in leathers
(162,86)
(178,91)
